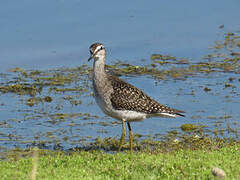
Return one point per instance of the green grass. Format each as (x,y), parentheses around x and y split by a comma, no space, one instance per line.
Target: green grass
(180,164)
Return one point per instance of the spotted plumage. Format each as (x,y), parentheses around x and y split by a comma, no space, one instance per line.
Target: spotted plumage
(127,97)
(120,99)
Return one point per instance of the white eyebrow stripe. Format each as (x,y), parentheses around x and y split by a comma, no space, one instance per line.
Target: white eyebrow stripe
(98,48)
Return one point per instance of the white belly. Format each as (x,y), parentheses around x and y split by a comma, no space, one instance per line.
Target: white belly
(120,114)
(130,115)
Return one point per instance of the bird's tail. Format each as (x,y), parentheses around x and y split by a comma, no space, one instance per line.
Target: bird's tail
(175,113)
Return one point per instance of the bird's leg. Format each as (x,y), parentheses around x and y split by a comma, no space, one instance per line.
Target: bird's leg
(123,136)
(130,137)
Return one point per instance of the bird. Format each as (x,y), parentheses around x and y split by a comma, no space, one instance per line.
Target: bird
(121,100)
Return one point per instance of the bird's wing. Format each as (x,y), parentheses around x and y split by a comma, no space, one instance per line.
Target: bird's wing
(127,97)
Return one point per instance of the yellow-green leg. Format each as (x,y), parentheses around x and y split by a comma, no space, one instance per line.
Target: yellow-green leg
(123,136)
(130,137)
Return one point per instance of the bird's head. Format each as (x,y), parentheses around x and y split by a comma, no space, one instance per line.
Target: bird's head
(97,51)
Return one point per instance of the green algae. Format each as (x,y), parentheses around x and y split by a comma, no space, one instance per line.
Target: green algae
(170,143)
(35,100)
(206,89)
(21,89)
(188,127)
(61,116)
(162,57)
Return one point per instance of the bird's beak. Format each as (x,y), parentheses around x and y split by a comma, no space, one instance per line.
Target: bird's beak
(90,57)
(93,55)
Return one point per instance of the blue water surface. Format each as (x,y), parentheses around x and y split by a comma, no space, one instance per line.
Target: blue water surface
(49,34)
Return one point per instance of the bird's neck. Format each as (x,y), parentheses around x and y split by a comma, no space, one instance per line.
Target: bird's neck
(98,68)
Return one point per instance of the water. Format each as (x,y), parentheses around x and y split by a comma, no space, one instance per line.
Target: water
(58,33)
(53,34)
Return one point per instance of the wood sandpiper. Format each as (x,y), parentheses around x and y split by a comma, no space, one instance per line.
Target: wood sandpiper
(121,100)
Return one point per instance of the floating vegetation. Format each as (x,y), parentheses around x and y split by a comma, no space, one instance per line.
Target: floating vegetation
(188,127)
(35,100)
(162,57)
(20,89)
(206,89)
(84,116)
(184,142)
